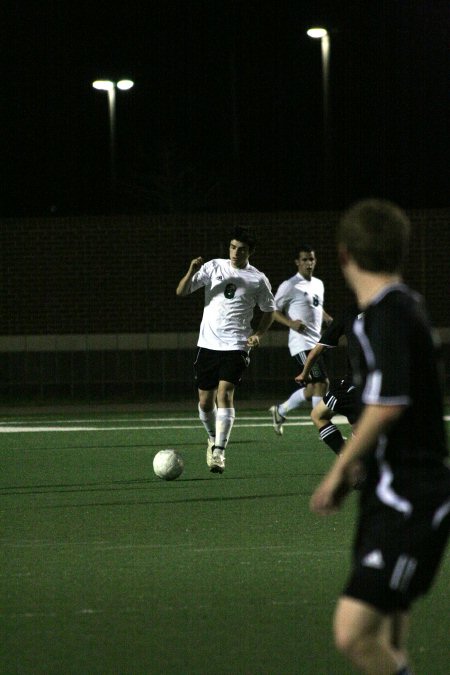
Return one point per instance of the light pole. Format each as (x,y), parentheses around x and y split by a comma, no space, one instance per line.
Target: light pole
(324,37)
(110,87)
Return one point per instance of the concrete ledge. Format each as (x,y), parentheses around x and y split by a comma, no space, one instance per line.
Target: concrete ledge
(131,341)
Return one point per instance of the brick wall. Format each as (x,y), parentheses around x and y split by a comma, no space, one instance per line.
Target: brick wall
(118,275)
(88,307)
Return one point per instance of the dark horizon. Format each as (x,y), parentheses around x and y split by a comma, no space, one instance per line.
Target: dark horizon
(226,113)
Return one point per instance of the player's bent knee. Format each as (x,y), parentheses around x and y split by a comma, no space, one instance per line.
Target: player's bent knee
(355,647)
(356,629)
(320,414)
(344,641)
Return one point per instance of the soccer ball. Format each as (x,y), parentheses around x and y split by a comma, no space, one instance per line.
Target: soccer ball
(168,464)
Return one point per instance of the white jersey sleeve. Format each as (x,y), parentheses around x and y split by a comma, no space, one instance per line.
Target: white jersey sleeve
(283,296)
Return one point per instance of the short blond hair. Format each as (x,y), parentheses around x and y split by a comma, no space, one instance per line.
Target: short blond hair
(376,234)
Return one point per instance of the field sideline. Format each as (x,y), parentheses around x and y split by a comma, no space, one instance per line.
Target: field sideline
(107,570)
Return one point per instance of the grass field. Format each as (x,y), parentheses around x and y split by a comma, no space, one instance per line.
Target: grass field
(107,570)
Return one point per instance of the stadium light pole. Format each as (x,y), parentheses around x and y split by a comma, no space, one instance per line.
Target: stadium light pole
(320,33)
(110,87)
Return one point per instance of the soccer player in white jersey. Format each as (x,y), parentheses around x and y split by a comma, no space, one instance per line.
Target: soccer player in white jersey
(299,306)
(233,288)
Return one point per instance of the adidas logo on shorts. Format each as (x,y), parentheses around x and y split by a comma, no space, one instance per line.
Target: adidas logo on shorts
(373,559)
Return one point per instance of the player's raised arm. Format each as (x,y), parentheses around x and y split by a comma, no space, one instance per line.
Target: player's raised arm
(185,282)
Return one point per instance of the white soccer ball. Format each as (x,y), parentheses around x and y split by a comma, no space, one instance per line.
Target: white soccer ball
(168,464)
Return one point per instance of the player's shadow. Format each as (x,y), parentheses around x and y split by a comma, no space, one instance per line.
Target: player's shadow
(188,500)
(149,446)
(106,486)
(135,484)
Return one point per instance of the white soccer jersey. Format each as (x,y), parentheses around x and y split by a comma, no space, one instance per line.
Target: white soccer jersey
(231,295)
(300,299)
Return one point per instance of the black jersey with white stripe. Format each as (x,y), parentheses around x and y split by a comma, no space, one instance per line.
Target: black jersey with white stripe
(401,367)
(343,325)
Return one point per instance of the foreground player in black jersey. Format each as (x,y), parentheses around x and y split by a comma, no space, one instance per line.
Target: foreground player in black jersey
(404,517)
(340,398)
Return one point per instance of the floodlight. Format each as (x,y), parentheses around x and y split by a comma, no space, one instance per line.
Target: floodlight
(104,85)
(317,32)
(125,84)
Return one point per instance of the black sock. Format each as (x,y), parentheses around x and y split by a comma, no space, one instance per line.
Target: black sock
(332,437)
(404,671)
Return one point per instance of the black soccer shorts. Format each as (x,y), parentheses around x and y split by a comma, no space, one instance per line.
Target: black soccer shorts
(318,371)
(396,557)
(341,399)
(211,366)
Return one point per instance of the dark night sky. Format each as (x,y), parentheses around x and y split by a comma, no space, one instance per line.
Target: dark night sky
(226,112)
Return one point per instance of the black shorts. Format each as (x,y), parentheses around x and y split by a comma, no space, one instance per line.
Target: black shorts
(341,399)
(396,557)
(211,366)
(318,372)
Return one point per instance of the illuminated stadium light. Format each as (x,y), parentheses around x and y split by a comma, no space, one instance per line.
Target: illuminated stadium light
(125,84)
(320,33)
(317,32)
(103,85)
(110,87)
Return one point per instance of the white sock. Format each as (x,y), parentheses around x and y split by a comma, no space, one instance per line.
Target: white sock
(295,401)
(224,423)
(316,400)
(208,419)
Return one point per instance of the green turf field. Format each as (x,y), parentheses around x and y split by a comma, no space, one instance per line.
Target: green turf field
(106,569)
